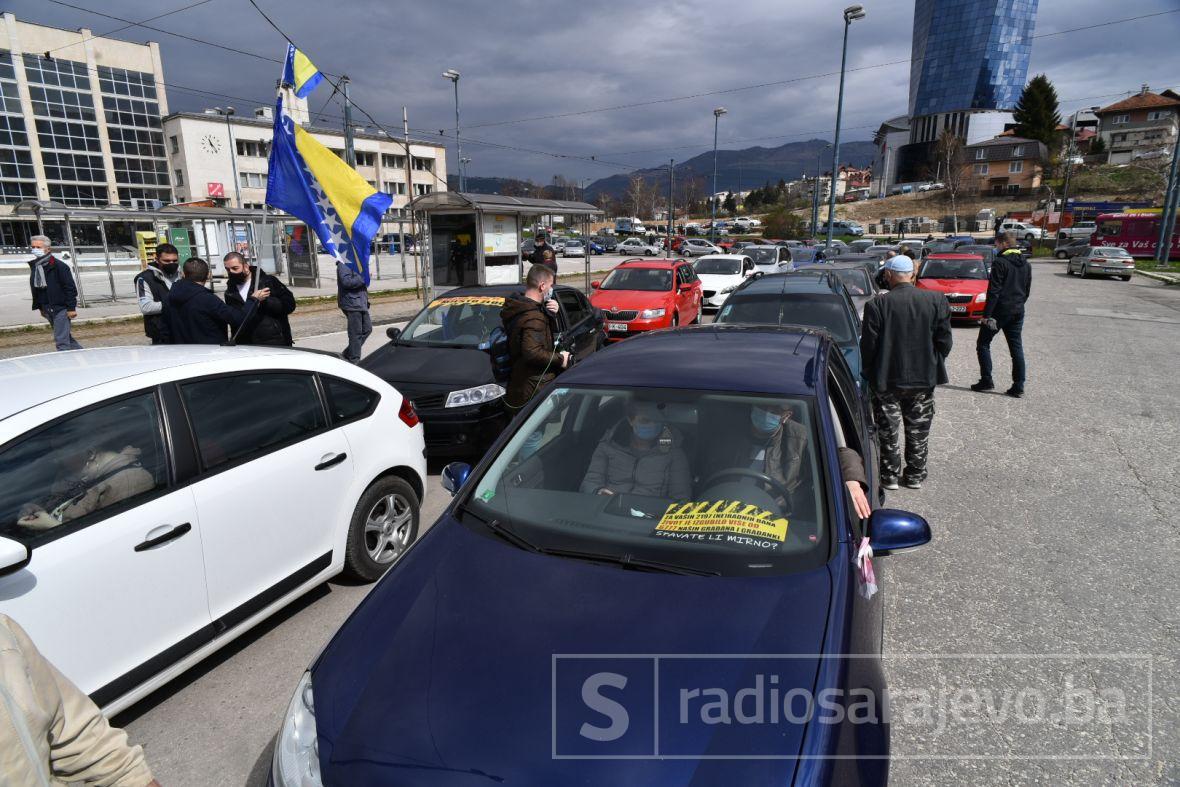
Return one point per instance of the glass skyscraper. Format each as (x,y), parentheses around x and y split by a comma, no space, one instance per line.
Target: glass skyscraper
(969,54)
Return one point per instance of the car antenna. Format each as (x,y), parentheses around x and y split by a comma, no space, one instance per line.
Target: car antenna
(798,344)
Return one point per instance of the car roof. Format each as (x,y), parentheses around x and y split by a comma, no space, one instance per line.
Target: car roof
(648,262)
(32,380)
(709,357)
(956,255)
(734,257)
(794,282)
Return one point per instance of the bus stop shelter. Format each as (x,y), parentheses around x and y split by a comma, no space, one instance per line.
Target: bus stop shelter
(470,239)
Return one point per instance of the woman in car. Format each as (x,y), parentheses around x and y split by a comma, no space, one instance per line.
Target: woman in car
(641,456)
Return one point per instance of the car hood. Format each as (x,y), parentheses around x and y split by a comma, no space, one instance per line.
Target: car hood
(965,286)
(464,367)
(444,674)
(626,300)
(719,281)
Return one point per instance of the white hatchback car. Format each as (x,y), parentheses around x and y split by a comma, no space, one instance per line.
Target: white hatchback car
(721,274)
(156,502)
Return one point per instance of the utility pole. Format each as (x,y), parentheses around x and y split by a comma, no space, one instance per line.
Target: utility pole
(1163,245)
(419,269)
(851,13)
(668,247)
(349,149)
(717,113)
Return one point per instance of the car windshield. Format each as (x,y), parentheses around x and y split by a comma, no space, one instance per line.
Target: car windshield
(802,254)
(465,321)
(1110,251)
(696,480)
(715,265)
(855,279)
(953,269)
(641,279)
(767,256)
(813,310)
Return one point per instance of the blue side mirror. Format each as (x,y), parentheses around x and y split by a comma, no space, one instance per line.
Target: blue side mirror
(455,475)
(891,530)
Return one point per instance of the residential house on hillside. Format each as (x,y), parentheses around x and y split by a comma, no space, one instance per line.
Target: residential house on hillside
(1143,125)
(1004,165)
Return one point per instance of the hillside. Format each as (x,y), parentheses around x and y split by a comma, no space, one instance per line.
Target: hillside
(741,170)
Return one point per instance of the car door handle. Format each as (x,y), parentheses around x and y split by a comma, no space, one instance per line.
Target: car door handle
(331,461)
(164,538)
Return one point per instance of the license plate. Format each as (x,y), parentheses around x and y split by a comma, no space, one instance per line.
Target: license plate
(958,309)
(616,326)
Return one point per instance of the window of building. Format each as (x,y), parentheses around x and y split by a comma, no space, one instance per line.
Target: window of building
(339,152)
(1015,167)
(981,154)
(129,193)
(365,158)
(1013,188)
(140,171)
(252,180)
(981,169)
(422,188)
(1120,119)
(423,164)
(395,188)
(395,162)
(178,177)
(73,167)
(252,148)
(175,143)
(1018,151)
(85,196)
(1158,114)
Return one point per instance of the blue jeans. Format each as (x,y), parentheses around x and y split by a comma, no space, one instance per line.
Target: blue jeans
(1012,326)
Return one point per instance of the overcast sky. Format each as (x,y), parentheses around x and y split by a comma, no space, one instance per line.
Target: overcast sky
(524,58)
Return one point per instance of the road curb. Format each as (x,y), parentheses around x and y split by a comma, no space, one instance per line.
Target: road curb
(1166,278)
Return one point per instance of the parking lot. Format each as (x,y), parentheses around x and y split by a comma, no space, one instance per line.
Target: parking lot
(1053,534)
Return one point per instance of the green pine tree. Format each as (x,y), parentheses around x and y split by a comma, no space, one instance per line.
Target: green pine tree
(1036,113)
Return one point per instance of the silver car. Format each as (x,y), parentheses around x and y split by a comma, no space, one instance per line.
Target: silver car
(770,259)
(697,247)
(1103,261)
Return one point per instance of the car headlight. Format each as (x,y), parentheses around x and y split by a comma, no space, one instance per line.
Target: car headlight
(729,289)
(651,314)
(297,751)
(981,297)
(477,395)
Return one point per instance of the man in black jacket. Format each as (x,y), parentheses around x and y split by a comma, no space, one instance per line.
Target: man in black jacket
(54,293)
(262,301)
(151,288)
(1008,288)
(905,339)
(196,315)
(543,253)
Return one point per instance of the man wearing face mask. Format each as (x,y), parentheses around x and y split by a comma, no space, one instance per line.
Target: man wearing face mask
(54,293)
(528,323)
(262,300)
(151,287)
(641,456)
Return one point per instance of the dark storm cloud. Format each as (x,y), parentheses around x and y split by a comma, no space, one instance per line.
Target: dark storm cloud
(525,58)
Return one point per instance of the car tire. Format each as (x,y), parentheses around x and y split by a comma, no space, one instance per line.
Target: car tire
(1085,273)
(1125,278)
(1029,237)
(388,510)
(1061,255)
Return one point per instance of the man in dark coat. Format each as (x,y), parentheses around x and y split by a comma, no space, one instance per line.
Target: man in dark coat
(1008,288)
(543,253)
(262,300)
(905,339)
(196,315)
(527,322)
(54,293)
(151,288)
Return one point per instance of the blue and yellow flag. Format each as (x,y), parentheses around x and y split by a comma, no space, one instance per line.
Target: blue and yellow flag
(300,73)
(313,184)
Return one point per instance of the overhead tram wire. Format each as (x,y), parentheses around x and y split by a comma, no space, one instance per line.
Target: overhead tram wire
(131,25)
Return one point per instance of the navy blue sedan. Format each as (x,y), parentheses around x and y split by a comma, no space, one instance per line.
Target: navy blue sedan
(655,576)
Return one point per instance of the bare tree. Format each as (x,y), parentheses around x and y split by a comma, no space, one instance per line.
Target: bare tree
(638,194)
(954,170)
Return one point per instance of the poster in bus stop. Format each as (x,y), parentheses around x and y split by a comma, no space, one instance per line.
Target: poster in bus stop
(499,235)
(300,245)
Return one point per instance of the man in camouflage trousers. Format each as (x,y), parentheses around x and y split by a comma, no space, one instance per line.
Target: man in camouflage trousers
(905,339)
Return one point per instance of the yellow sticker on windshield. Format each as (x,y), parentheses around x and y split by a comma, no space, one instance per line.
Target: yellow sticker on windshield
(722,520)
(469,300)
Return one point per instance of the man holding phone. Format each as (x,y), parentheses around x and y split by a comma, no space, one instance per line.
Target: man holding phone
(262,300)
(527,318)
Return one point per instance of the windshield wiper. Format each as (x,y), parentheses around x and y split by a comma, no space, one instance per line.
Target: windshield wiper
(498,528)
(632,562)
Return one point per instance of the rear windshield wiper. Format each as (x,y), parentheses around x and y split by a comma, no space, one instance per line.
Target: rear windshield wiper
(632,562)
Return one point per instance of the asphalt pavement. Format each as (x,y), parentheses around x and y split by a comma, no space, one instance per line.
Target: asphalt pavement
(1054,537)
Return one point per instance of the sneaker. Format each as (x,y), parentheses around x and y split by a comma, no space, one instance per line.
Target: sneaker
(983,385)
(912,483)
(889,483)
(1015,392)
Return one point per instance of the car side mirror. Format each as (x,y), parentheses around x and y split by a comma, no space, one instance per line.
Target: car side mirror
(13,555)
(454,476)
(891,530)
(594,285)
(393,333)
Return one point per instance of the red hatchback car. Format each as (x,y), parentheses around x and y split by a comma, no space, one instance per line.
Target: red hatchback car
(646,295)
(962,278)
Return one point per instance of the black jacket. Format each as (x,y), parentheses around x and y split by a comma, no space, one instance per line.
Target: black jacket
(544,254)
(265,322)
(530,347)
(197,316)
(1009,284)
(59,292)
(905,339)
(151,282)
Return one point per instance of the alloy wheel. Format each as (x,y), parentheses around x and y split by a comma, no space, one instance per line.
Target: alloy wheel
(387,528)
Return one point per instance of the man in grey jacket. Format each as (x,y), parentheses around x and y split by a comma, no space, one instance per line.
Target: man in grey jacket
(353,297)
(641,456)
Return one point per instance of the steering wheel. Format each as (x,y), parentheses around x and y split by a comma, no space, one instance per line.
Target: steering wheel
(773,486)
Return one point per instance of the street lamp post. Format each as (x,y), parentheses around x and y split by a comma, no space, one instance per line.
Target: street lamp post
(815,191)
(233,150)
(453,75)
(717,113)
(851,13)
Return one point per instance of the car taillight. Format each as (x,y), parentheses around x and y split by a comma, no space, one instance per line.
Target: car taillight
(407,413)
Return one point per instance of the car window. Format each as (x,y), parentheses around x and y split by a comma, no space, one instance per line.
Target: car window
(714,481)
(639,279)
(575,309)
(242,416)
(348,400)
(463,320)
(81,468)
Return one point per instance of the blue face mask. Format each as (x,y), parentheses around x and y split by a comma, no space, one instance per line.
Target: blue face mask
(649,430)
(764,420)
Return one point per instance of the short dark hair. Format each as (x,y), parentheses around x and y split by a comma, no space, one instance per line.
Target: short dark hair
(233,255)
(196,269)
(538,275)
(167,248)
(1009,239)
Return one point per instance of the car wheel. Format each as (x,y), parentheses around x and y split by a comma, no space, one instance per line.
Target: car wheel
(1085,273)
(1061,255)
(1029,237)
(1125,278)
(384,524)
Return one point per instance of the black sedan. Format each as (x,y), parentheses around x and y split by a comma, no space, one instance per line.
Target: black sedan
(451,361)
